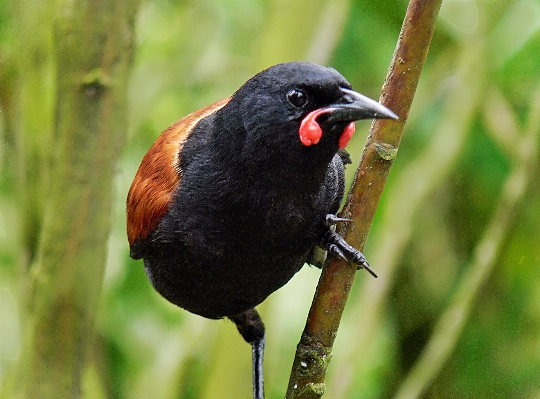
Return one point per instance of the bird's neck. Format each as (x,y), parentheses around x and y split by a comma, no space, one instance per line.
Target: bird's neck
(276,163)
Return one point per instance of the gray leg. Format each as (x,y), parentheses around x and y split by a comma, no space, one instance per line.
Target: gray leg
(251,327)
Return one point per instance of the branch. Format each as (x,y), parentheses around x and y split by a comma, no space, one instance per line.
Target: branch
(408,194)
(313,351)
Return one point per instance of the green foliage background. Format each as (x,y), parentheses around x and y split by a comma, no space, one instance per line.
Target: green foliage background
(465,186)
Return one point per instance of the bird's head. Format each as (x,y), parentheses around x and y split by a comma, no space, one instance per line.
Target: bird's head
(300,108)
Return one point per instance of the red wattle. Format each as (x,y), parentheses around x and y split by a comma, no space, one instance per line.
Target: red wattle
(310,132)
(346,135)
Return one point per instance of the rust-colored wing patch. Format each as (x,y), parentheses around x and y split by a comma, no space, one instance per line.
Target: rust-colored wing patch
(158,176)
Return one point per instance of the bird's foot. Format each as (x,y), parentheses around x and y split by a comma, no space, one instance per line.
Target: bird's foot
(336,245)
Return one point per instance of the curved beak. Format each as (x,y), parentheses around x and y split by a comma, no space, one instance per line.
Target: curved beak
(355,106)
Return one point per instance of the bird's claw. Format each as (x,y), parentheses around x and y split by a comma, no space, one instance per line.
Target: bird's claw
(331,220)
(336,245)
(334,250)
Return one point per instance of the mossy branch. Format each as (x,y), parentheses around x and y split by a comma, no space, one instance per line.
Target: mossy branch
(311,359)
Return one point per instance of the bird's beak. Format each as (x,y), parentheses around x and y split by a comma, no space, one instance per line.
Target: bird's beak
(354,106)
(350,107)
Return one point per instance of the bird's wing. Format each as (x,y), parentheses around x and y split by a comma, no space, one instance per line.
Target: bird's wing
(336,170)
(334,192)
(156,181)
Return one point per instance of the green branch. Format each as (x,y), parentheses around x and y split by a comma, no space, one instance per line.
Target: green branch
(314,350)
(407,196)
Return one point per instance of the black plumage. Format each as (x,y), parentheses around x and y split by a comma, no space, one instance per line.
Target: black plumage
(254,193)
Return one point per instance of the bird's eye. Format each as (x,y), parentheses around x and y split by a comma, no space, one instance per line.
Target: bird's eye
(297,98)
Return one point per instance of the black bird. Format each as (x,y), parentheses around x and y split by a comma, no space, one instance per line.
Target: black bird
(233,199)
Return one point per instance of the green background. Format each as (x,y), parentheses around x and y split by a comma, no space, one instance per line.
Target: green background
(456,240)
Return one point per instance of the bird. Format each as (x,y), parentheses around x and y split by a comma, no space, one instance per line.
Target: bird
(232,200)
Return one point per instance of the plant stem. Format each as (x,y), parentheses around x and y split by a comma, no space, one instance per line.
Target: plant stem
(314,350)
